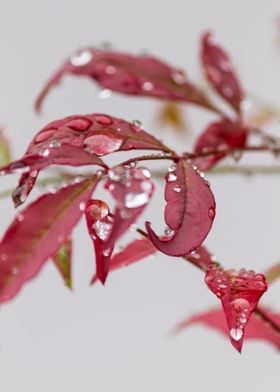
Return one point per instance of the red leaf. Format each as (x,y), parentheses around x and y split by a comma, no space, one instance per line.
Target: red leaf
(129,74)
(239,293)
(189,212)
(133,252)
(99,224)
(256,328)
(220,72)
(132,190)
(219,136)
(37,233)
(62,259)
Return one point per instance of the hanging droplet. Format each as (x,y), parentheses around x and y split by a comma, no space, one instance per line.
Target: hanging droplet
(134,200)
(81,58)
(236,334)
(105,93)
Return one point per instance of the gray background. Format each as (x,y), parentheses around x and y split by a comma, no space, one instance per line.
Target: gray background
(116,339)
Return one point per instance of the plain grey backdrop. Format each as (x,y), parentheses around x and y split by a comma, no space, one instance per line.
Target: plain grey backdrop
(117,338)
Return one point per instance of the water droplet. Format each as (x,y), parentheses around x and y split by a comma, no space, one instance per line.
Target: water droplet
(211,213)
(236,334)
(107,252)
(15,271)
(125,213)
(81,58)
(179,77)
(142,173)
(3,257)
(147,86)
(147,186)
(236,155)
(137,124)
(55,143)
(20,217)
(101,144)
(44,135)
(97,209)
(105,93)
(240,304)
(102,229)
(79,124)
(177,188)
(82,206)
(195,254)
(134,200)
(103,119)
(168,232)
(44,152)
(110,70)
(171,177)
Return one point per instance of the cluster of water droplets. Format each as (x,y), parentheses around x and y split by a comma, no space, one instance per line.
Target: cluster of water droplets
(241,312)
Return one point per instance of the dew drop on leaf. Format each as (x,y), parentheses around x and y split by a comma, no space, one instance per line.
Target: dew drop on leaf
(102,144)
(81,58)
(211,213)
(236,334)
(171,177)
(177,189)
(104,120)
(134,200)
(79,124)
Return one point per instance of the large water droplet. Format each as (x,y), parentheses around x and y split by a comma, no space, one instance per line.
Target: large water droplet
(101,144)
(103,120)
(44,135)
(81,58)
(97,210)
(79,124)
(236,334)
(134,200)
(102,229)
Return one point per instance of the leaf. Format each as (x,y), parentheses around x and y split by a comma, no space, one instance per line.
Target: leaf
(133,252)
(129,74)
(75,141)
(37,233)
(219,136)
(62,259)
(220,73)
(132,189)
(5,152)
(239,293)
(189,212)
(256,328)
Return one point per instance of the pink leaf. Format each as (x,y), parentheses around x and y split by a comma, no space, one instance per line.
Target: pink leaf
(129,74)
(62,259)
(256,328)
(37,233)
(220,72)
(189,212)
(239,293)
(219,136)
(133,252)
(132,190)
